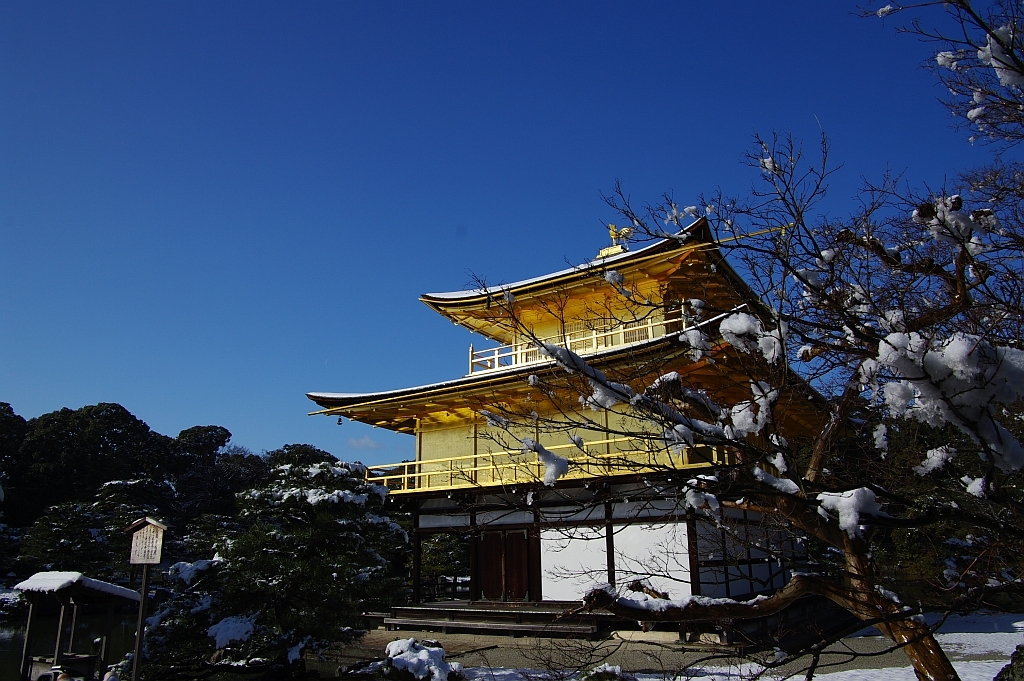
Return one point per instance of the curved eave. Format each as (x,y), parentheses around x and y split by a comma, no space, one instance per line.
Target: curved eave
(457,400)
(663,261)
(399,410)
(333,403)
(697,235)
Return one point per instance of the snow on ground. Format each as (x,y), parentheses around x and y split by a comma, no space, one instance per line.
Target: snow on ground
(991,636)
(967,635)
(977,635)
(968,671)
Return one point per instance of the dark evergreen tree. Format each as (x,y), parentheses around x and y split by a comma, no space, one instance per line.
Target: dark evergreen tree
(313,549)
(298,455)
(12,432)
(13,429)
(89,537)
(67,455)
(209,472)
(200,445)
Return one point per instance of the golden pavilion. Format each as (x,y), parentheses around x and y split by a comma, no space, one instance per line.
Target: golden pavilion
(615,514)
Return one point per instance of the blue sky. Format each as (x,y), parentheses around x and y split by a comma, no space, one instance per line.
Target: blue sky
(208,209)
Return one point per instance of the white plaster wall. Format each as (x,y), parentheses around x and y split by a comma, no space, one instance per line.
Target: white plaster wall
(504,518)
(571,560)
(429,521)
(656,552)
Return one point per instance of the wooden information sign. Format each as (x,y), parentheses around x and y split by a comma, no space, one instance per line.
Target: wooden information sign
(147,545)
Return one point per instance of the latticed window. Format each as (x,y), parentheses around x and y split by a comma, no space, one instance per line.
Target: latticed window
(531,354)
(581,338)
(633,332)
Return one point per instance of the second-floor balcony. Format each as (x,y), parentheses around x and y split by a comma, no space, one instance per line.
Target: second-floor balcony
(615,456)
(580,337)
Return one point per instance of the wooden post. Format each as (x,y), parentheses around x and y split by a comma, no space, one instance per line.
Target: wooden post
(74,624)
(609,541)
(693,549)
(141,621)
(58,651)
(108,628)
(417,558)
(147,549)
(26,649)
(474,578)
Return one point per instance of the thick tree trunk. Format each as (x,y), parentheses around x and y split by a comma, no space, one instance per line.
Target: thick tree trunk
(859,594)
(869,603)
(929,660)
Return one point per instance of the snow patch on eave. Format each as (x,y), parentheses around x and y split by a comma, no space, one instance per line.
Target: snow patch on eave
(482,376)
(600,262)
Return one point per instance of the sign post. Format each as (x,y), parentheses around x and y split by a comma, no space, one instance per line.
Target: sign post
(147,546)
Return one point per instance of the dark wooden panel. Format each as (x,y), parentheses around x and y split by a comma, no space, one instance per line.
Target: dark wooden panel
(491,561)
(517,579)
(534,565)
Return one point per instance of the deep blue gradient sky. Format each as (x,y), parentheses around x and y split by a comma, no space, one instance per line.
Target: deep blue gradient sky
(208,209)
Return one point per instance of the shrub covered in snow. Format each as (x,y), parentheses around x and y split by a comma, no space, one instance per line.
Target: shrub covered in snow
(606,672)
(412,660)
(312,550)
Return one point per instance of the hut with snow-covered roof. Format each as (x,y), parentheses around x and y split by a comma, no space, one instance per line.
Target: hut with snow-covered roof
(611,513)
(70,595)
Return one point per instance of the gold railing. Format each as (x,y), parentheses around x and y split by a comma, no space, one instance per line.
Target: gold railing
(581,340)
(515,467)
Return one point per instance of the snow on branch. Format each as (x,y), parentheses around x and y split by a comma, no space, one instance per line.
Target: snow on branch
(745,332)
(995,54)
(605,394)
(694,608)
(784,485)
(698,342)
(751,416)
(935,459)
(187,572)
(849,506)
(554,466)
(230,629)
(697,496)
(495,420)
(671,386)
(957,380)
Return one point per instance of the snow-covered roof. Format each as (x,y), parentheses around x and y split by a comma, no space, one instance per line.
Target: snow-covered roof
(51,582)
(600,262)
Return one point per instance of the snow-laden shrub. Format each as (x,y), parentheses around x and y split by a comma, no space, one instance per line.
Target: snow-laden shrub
(1014,671)
(311,549)
(606,672)
(409,660)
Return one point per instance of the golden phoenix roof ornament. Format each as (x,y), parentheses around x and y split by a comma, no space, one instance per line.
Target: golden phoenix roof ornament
(617,234)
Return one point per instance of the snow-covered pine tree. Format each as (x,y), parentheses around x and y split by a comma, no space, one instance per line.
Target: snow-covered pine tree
(314,550)
(88,536)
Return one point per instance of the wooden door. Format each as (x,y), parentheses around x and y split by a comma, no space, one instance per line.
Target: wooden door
(517,581)
(491,566)
(507,565)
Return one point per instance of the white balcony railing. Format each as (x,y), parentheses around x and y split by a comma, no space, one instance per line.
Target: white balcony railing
(583,338)
(580,337)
